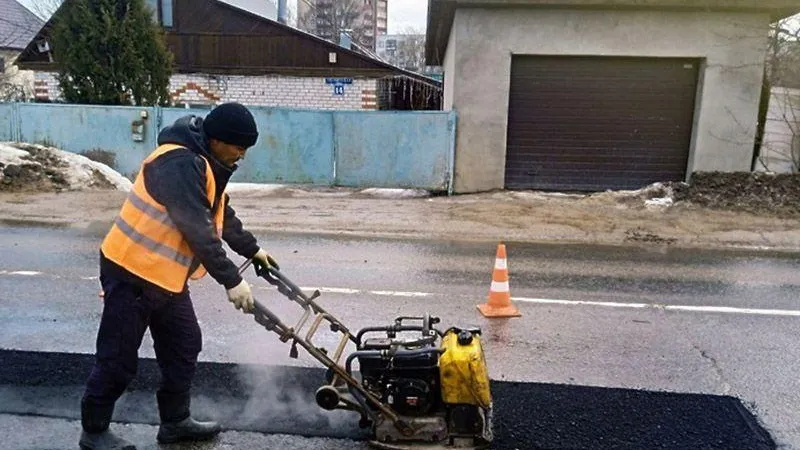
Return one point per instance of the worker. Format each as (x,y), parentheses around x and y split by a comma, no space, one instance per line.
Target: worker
(169,230)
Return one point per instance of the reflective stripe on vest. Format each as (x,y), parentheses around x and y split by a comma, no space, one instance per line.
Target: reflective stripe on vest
(152,245)
(151,211)
(145,241)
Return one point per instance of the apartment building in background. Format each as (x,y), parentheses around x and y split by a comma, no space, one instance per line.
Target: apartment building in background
(363,20)
(406,51)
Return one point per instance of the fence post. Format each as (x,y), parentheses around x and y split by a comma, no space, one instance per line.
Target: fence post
(16,122)
(335,152)
(158,118)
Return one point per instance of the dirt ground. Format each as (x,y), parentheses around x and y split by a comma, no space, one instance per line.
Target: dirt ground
(713,211)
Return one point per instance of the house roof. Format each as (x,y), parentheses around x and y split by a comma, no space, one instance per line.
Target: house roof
(220,38)
(441,12)
(17,25)
(334,47)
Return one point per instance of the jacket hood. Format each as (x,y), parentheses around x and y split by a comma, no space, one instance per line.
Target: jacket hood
(188,132)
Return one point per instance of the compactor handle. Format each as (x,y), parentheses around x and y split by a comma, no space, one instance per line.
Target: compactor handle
(285,286)
(266,318)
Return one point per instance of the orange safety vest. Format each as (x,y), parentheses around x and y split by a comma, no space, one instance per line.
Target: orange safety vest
(145,241)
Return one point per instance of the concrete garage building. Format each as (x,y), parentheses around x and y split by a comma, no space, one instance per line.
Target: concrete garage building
(585,95)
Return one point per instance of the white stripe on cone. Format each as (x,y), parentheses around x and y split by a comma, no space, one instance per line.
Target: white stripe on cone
(500,286)
(500,263)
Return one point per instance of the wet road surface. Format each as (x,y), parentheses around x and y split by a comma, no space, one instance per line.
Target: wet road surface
(617,348)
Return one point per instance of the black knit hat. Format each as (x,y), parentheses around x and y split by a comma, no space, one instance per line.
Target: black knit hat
(233,124)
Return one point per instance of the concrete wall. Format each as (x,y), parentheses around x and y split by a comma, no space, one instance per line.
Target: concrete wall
(449,71)
(732,45)
(780,148)
(274,91)
(390,149)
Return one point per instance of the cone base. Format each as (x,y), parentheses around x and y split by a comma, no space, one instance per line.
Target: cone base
(504,311)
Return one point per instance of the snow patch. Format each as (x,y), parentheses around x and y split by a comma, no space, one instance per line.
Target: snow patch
(544,195)
(663,202)
(256,188)
(78,171)
(11,155)
(81,171)
(395,193)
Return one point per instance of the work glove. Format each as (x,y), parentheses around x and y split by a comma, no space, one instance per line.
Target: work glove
(241,296)
(263,260)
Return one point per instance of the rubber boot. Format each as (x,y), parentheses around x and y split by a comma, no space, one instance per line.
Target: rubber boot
(177,424)
(95,420)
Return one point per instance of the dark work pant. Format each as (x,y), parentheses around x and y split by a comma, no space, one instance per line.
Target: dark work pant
(129,310)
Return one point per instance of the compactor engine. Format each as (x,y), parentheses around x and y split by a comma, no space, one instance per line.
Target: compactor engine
(416,387)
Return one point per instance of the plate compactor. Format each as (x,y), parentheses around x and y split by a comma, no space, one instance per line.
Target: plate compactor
(427,391)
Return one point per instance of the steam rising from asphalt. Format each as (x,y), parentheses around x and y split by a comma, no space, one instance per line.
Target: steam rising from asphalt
(275,399)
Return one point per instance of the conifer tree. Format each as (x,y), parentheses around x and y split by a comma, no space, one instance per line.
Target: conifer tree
(111,52)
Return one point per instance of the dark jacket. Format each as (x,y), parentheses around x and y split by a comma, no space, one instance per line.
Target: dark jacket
(177,180)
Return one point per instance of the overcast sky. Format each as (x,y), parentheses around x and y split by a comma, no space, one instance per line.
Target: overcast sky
(407,13)
(402,13)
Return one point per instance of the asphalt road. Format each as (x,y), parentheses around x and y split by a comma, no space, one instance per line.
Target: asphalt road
(617,348)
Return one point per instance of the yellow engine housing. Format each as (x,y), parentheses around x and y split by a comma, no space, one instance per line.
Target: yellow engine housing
(463,374)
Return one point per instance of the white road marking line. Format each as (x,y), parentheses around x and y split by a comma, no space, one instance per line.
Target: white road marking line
(731,310)
(333,290)
(580,302)
(688,308)
(402,294)
(710,309)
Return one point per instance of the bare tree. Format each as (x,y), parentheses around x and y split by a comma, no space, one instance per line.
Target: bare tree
(411,51)
(10,89)
(780,115)
(783,54)
(328,19)
(781,147)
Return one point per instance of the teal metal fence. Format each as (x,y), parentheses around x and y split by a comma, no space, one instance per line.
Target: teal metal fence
(391,149)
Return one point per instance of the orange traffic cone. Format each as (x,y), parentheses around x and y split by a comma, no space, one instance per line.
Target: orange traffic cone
(499,303)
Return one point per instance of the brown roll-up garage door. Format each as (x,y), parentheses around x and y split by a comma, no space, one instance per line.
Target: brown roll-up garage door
(595,123)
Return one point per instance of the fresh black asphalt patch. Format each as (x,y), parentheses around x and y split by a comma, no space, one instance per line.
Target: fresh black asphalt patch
(272,399)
